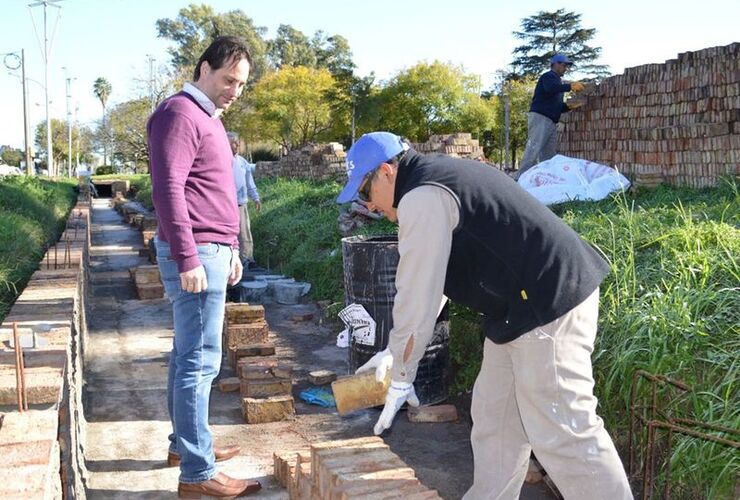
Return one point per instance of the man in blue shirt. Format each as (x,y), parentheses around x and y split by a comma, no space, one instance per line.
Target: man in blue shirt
(544,113)
(245,190)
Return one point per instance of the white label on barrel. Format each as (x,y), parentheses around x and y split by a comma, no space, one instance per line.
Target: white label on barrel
(362,324)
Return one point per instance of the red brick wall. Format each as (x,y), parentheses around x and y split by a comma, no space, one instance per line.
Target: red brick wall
(677,122)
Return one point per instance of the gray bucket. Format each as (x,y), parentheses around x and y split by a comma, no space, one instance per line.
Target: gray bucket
(272,277)
(252,291)
(271,284)
(290,292)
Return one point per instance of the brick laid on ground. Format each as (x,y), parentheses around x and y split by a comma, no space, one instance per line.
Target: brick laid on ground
(431,414)
(240,313)
(240,336)
(264,388)
(229,384)
(264,410)
(322,377)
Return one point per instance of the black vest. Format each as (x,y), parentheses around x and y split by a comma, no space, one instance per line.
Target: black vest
(512,258)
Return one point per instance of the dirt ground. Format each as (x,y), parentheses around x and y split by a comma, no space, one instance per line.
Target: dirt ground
(125,394)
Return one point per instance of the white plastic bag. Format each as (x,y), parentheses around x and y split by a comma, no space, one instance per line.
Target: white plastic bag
(562,179)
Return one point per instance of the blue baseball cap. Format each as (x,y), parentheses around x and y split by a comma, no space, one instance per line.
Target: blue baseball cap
(560,58)
(366,155)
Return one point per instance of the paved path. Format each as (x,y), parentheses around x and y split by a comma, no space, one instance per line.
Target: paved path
(125,403)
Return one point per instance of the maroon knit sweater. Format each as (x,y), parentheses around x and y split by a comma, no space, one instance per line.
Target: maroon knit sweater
(192,184)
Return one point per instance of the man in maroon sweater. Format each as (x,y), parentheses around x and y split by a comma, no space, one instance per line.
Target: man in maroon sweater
(197,253)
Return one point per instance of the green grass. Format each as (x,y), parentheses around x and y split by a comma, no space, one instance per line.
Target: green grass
(33,212)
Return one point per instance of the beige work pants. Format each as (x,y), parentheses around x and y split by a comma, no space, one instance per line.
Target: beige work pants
(536,393)
(246,246)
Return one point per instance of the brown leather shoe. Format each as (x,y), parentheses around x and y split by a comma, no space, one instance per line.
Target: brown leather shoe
(222,453)
(219,486)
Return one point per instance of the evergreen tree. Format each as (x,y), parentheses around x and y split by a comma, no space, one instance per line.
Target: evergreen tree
(548,33)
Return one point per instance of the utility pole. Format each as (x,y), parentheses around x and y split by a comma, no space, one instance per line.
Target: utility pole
(151,82)
(507,126)
(77,156)
(13,62)
(47,51)
(30,170)
(68,81)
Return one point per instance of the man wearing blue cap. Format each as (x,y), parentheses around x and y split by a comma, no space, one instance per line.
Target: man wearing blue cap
(544,113)
(469,232)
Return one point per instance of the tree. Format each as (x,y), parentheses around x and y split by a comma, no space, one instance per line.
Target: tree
(60,138)
(102,89)
(290,48)
(127,123)
(293,107)
(11,156)
(548,33)
(196,26)
(431,98)
(333,53)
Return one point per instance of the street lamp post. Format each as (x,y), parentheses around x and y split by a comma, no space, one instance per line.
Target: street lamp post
(69,131)
(49,147)
(13,62)
(68,86)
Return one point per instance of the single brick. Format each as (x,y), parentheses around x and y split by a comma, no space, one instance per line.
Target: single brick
(272,409)
(322,377)
(439,413)
(356,489)
(238,336)
(262,361)
(265,372)
(144,275)
(264,388)
(240,313)
(302,317)
(150,291)
(260,349)
(355,392)
(229,384)
(397,473)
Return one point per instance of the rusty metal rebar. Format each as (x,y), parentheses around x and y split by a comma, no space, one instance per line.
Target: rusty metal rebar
(20,375)
(67,252)
(647,420)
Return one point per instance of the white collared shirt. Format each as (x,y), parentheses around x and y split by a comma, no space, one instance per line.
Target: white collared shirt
(202,99)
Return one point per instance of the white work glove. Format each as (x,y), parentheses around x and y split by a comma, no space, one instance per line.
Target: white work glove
(398,394)
(381,362)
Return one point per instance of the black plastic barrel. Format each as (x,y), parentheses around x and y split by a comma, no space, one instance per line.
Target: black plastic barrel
(370,264)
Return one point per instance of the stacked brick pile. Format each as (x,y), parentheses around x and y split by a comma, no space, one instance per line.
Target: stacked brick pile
(677,122)
(319,162)
(265,384)
(148,282)
(461,145)
(137,215)
(362,468)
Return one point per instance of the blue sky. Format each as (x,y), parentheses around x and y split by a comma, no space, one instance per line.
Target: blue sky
(111,38)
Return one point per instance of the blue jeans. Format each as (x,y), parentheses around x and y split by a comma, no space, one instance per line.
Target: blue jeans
(196,356)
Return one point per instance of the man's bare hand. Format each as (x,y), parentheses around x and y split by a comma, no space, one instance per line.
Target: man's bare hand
(194,281)
(235,274)
(258,205)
